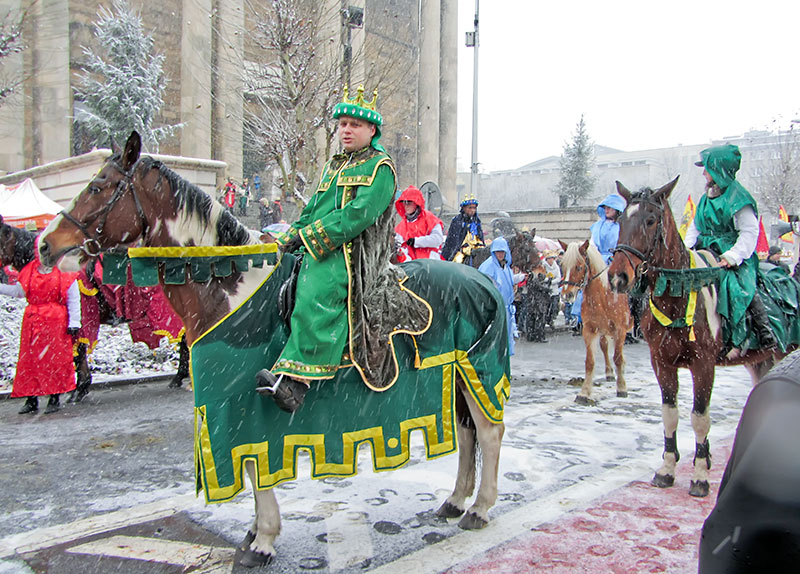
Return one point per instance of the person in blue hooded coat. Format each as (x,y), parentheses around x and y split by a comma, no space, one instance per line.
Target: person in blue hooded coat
(605,234)
(498,268)
(605,231)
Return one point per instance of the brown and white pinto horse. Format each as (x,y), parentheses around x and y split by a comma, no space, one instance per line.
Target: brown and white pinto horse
(136,198)
(649,243)
(605,314)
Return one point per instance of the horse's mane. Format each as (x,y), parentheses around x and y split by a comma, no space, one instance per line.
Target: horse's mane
(23,247)
(572,257)
(194,202)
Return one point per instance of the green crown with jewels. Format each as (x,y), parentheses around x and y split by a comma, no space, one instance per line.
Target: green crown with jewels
(358,107)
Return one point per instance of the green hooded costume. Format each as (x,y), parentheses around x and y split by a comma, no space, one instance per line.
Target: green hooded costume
(714,220)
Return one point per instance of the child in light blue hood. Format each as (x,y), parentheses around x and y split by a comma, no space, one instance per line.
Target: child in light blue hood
(605,231)
(498,268)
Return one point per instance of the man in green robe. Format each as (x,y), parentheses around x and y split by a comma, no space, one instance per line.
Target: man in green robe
(349,300)
(726,223)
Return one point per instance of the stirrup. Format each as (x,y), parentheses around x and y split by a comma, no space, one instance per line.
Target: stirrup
(272,382)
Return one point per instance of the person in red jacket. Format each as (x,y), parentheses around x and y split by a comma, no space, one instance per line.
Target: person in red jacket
(52,316)
(420,234)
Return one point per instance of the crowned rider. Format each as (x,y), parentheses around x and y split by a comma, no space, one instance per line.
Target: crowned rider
(340,319)
(420,233)
(465,232)
(726,222)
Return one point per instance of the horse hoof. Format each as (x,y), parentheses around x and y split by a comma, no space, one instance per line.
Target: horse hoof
(663,480)
(449,510)
(622,394)
(175,383)
(248,540)
(251,558)
(698,488)
(472,521)
(71,398)
(585,401)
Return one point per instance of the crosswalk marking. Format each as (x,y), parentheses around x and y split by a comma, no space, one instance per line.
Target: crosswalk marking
(209,559)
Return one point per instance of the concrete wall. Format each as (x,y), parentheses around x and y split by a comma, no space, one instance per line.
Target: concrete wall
(64,179)
(568,225)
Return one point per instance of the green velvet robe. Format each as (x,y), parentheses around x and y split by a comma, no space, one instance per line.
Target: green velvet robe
(350,300)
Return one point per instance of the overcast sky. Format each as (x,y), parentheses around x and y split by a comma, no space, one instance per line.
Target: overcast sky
(645,74)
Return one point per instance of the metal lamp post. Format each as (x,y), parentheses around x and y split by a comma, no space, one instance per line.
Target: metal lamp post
(472,42)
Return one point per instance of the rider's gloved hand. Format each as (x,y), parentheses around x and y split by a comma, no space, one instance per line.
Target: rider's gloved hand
(410,242)
(292,245)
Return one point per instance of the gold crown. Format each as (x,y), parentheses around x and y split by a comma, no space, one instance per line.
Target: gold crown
(359,99)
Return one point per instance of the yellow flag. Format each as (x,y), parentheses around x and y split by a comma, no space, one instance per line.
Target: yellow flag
(783,216)
(687,217)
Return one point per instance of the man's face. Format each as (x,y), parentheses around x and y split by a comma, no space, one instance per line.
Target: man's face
(709,180)
(355,134)
(501,255)
(470,210)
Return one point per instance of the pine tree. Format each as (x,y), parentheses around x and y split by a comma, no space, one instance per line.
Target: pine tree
(577,161)
(121,88)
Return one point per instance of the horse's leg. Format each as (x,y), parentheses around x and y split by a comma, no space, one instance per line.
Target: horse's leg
(183,365)
(619,363)
(490,436)
(257,548)
(703,378)
(668,381)
(465,480)
(585,394)
(604,349)
(758,370)
(84,374)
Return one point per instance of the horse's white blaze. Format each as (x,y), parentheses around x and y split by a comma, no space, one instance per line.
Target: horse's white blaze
(632,210)
(701,423)
(669,415)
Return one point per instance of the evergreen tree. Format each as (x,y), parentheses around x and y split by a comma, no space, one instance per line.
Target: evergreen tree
(121,88)
(577,161)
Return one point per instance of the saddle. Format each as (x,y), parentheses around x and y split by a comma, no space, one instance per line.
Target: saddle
(286,294)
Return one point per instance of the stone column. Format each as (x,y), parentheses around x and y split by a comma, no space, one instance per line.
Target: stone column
(50,97)
(227,59)
(448,96)
(428,92)
(196,104)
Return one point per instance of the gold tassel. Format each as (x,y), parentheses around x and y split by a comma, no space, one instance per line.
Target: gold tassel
(417,362)
(692,338)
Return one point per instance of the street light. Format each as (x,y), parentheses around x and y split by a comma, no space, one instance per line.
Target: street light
(352,17)
(473,42)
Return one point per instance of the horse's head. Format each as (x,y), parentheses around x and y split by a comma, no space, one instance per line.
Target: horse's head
(574,270)
(107,213)
(524,253)
(16,246)
(644,231)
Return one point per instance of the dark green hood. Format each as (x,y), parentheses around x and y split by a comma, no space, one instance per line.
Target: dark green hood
(722,162)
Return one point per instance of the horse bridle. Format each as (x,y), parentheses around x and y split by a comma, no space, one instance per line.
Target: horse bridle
(640,269)
(91,246)
(586,278)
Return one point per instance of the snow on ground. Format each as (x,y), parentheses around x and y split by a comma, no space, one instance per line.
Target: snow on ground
(115,355)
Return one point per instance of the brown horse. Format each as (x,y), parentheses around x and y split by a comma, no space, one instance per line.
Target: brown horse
(605,314)
(135,199)
(649,244)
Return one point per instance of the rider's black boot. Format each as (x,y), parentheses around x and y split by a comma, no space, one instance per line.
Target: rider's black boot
(31,406)
(287,393)
(760,323)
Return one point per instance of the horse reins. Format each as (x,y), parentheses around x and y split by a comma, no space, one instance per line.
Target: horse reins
(91,246)
(641,269)
(586,278)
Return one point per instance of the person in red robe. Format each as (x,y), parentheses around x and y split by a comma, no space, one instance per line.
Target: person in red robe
(52,316)
(420,234)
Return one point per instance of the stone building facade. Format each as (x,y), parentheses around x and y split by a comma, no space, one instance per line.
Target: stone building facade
(205,47)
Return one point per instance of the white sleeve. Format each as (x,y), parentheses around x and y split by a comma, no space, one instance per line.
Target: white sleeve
(434,239)
(74,306)
(746,224)
(518,278)
(691,235)
(398,239)
(14,290)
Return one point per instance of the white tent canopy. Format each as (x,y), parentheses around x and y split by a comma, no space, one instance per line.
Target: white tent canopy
(24,203)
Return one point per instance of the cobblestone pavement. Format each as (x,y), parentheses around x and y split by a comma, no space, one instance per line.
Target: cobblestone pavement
(102,485)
